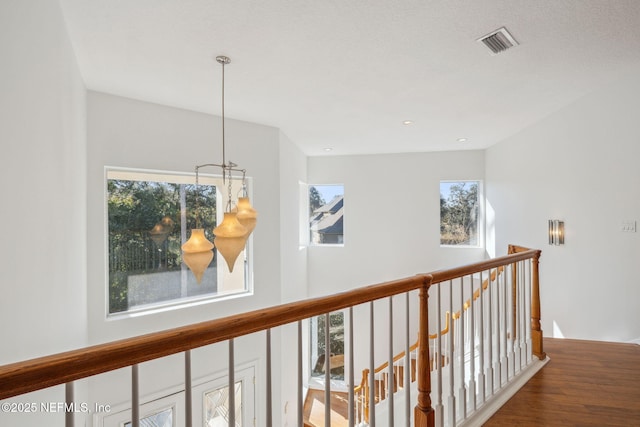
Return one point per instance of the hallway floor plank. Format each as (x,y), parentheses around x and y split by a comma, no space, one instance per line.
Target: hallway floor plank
(586,383)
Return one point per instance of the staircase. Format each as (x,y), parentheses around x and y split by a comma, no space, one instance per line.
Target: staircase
(469,366)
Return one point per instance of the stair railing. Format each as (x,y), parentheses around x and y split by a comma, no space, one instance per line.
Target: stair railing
(383,388)
(386,384)
(495,335)
(65,368)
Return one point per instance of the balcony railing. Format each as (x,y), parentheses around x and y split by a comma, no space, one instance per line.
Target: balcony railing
(492,338)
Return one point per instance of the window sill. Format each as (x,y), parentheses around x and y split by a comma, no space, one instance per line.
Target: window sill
(174,305)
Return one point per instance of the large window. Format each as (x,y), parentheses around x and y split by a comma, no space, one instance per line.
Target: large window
(149,216)
(459,213)
(326,214)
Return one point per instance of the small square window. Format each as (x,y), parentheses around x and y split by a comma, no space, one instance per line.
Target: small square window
(326,214)
(459,213)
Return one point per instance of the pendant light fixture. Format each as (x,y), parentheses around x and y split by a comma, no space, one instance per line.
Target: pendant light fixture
(231,235)
(197,252)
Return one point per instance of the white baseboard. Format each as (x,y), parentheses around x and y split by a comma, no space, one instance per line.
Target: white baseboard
(636,341)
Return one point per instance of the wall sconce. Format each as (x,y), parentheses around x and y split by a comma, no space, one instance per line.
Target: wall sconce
(556,232)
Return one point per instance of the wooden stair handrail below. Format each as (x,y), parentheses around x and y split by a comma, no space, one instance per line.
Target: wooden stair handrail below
(466,270)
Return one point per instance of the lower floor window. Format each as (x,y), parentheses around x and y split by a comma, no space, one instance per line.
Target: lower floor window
(336,346)
(210,405)
(159,419)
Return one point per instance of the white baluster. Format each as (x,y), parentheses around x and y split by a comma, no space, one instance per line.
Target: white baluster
(524,324)
(497,365)
(135,397)
(462,391)
(481,356)
(519,330)
(390,388)
(372,367)
(509,272)
(300,379)
(188,412)
(327,372)
(437,359)
(503,340)
(351,384)
(524,320)
(472,345)
(450,417)
(527,304)
(407,363)
(269,401)
(232,385)
(489,368)
(68,398)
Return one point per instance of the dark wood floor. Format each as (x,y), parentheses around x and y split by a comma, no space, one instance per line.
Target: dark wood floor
(586,383)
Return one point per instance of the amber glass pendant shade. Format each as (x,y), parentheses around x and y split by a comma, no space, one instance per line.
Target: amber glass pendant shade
(161,230)
(247,215)
(198,263)
(197,253)
(230,238)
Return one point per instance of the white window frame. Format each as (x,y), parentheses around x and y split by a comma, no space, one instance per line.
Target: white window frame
(479,219)
(174,398)
(223,275)
(243,373)
(307,227)
(119,415)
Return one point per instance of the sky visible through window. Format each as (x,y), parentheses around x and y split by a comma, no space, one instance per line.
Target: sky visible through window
(445,188)
(328,192)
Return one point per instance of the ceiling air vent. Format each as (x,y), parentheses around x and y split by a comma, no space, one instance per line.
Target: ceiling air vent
(498,41)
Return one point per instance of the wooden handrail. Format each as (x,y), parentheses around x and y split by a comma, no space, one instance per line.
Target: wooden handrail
(35,374)
(456,272)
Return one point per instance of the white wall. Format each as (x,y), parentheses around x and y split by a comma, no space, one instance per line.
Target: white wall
(42,134)
(392,217)
(391,230)
(293,172)
(293,266)
(579,165)
(128,133)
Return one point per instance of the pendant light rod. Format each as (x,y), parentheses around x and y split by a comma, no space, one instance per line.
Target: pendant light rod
(223,60)
(230,167)
(232,233)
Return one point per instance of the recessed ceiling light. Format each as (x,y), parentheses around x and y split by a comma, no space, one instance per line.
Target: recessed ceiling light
(462,139)
(328,149)
(407,122)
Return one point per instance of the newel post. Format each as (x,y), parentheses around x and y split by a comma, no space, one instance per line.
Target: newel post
(536,330)
(424,415)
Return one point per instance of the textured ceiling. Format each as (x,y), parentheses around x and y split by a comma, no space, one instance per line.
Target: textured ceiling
(346,74)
